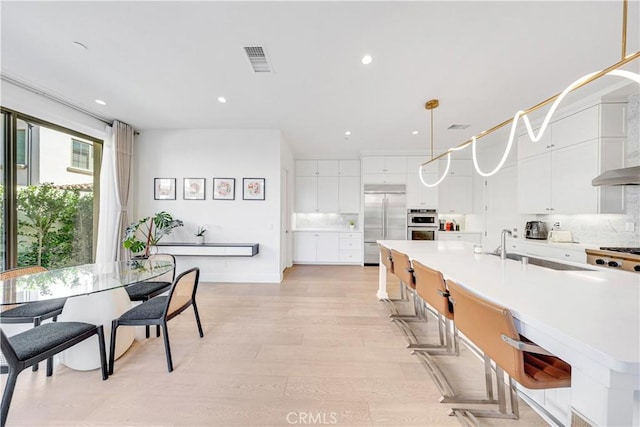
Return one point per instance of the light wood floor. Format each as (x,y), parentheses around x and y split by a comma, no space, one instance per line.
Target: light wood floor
(317,349)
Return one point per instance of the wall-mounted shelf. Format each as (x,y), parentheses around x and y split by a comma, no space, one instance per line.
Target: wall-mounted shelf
(210,249)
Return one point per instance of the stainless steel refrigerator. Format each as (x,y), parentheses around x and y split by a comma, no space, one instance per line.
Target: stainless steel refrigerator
(385,217)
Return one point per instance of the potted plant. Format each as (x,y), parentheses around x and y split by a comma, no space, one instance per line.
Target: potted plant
(200,233)
(142,235)
(352,225)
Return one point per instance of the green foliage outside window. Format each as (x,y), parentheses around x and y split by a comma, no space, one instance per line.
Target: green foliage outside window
(55,227)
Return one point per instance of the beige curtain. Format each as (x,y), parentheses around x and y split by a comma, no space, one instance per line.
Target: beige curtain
(123,150)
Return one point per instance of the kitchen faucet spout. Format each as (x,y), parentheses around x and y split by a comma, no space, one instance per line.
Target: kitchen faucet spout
(503,242)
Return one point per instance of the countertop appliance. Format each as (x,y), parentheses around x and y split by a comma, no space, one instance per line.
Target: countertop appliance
(422,224)
(536,230)
(385,217)
(627,259)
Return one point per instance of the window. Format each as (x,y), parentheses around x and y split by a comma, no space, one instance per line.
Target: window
(49,209)
(82,155)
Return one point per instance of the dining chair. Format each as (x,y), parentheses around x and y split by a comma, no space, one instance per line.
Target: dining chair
(32,312)
(144,291)
(159,310)
(37,344)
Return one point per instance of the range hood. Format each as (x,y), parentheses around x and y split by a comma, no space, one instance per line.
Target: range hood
(623,176)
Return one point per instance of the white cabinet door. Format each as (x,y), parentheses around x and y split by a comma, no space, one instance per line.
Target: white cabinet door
(419,195)
(306,167)
(460,237)
(328,167)
(328,247)
(384,164)
(349,194)
(306,194)
(349,168)
(579,127)
(328,194)
(454,195)
(528,148)
(534,185)
(304,247)
(572,169)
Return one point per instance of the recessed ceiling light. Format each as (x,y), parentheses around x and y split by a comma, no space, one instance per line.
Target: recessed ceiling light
(366,60)
(415,132)
(347,133)
(80,45)
(101,102)
(222,99)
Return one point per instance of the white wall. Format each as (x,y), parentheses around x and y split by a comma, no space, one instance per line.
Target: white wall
(209,153)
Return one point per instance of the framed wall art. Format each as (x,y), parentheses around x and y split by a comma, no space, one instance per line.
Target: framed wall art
(194,189)
(164,188)
(224,188)
(253,188)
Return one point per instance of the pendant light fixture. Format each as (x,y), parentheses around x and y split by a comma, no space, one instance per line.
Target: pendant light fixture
(613,70)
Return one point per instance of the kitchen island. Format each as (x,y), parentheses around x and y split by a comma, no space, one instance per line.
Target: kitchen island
(589,317)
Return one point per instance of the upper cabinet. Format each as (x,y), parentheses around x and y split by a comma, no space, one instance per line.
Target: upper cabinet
(455,192)
(384,169)
(327,186)
(554,174)
(419,195)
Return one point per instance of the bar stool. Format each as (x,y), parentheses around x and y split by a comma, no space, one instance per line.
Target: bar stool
(387,261)
(404,271)
(491,328)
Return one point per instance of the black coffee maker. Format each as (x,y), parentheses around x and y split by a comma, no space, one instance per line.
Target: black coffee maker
(536,230)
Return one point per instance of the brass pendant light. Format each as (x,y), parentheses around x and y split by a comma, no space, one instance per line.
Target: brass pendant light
(431,105)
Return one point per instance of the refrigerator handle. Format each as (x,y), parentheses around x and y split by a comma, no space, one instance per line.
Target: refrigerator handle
(385,203)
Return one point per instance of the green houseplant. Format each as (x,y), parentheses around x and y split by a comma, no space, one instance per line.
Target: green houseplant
(142,235)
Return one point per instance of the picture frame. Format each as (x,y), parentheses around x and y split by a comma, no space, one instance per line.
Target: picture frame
(194,189)
(164,188)
(224,188)
(253,188)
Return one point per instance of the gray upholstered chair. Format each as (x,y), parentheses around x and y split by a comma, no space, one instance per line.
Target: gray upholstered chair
(33,312)
(144,291)
(159,310)
(37,344)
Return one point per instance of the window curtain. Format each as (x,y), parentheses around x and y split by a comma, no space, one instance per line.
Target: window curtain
(115,182)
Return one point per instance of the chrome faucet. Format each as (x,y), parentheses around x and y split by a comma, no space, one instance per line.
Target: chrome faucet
(503,242)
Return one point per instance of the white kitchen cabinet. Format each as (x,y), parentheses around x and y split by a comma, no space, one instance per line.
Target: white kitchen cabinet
(384,169)
(455,192)
(349,194)
(351,248)
(555,177)
(419,195)
(384,164)
(317,167)
(349,168)
(328,188)
(306,194)
(316,247)
(475,238)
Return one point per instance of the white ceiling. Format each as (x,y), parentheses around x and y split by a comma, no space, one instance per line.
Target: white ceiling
(163,64)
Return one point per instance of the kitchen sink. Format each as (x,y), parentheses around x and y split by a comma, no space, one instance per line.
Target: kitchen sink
(545,263)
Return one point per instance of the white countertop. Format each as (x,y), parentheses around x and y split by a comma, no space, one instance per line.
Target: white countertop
(593,314)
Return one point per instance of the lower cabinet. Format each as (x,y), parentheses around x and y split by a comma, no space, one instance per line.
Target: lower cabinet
(461,237)
(547,250)
(322,247)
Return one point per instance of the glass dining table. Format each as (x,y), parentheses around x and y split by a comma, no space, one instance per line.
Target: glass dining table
(95,294)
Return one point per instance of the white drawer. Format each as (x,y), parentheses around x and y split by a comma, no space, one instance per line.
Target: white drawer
(354,235)
(351,256)
(350,245)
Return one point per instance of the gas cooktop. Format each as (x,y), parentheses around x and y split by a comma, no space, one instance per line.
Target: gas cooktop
(634,251)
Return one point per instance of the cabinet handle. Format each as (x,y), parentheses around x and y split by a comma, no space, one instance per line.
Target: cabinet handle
(567,255)
(548,146)
(553,145)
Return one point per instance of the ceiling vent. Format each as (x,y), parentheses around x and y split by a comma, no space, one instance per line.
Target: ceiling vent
(257,58)
(458,127)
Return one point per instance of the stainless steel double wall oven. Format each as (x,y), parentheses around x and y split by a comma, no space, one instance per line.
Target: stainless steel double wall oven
(422,224)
